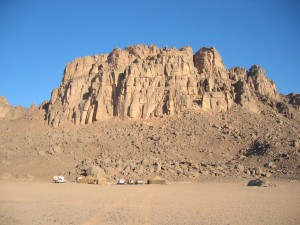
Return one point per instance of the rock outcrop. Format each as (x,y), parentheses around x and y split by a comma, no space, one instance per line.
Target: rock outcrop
(9,112)
(294,100)
(146,81)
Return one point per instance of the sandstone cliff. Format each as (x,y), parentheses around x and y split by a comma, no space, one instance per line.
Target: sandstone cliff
(146,81)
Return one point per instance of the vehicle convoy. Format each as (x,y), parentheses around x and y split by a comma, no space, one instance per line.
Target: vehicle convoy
(59,179)
(130,181)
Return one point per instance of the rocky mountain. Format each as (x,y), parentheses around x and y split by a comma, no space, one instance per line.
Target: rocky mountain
(146,81)
(146,111)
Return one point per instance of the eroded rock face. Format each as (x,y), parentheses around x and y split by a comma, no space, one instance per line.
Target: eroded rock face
(261,83)
(145,81)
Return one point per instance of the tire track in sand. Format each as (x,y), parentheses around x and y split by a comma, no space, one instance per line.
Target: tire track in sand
(147,208)
(99,217)
(141,212)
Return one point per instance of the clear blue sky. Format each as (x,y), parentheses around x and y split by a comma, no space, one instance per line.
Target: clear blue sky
(37,38)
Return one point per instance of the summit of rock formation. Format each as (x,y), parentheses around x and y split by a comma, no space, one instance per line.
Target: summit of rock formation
(146,81)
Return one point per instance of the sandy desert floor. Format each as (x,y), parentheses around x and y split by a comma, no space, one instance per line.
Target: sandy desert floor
(175,203)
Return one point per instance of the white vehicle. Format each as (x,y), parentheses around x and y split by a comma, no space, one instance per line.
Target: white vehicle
(121,181)
(131,181)
(59,179)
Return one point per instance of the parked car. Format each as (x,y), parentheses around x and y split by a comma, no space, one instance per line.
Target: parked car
(121,181)
(131,181)
(59,179)
(139,181)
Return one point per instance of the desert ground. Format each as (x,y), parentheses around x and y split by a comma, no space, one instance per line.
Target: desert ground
(174,203)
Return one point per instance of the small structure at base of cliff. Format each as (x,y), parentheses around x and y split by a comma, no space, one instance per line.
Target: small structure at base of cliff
(157,180)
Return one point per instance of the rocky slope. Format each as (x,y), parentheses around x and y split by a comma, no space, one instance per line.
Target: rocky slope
(151,111)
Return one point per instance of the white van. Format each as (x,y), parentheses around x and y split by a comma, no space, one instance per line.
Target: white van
(59,179)
(121,181)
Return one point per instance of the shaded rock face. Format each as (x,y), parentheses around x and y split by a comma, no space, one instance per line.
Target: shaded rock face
(145,81)
(294,100)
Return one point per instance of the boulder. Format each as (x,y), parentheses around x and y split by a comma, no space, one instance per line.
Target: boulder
(95,171)
(57,149)
(240,168)
(261,183)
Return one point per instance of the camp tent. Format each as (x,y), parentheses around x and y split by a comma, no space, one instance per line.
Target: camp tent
(102,181)
(88,180)
(157,180)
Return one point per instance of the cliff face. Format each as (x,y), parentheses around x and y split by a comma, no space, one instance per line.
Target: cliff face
(145,81)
